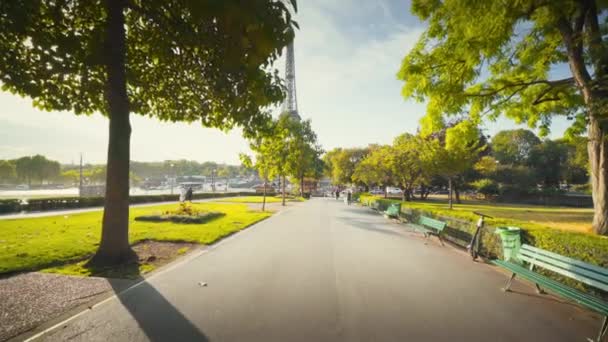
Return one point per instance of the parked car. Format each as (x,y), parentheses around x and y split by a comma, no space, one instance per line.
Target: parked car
(394,191)
(377,192)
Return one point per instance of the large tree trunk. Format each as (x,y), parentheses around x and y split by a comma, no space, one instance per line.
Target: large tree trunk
(451,192)
(302,186)
(598,157)
(283,186)
(457,194)
(264,198)
(114,246)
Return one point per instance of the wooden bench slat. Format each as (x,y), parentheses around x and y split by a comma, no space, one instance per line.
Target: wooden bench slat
(594,268)
(580,271)
(582,298)
(567,273)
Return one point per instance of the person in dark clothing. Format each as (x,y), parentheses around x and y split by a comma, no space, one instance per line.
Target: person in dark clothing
(189,194)
(348,197)
(337,194)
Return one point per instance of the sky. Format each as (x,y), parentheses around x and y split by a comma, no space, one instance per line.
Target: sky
(347,54)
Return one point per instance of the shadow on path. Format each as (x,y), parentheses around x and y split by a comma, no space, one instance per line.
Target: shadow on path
(366,225)
(154,314)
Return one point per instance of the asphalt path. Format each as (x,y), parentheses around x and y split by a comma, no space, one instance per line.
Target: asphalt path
(324,271)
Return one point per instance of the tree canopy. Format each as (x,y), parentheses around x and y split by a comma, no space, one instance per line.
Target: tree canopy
(175,60)
(511,60)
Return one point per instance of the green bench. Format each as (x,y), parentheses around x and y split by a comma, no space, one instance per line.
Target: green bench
(429,226)
(583,272)
(393,210)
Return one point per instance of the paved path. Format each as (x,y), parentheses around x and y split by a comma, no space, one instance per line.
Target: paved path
(322,271)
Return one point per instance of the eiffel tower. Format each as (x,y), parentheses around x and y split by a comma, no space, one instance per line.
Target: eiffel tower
(290,106)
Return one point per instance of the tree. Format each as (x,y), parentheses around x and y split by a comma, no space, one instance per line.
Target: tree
(376,168)
(341,163)
(263,164)
(405,162)
(24,169)
(173,60)
(549,160)
(458,152)
(8,171)
(303,150)
(514,146)
(503,63)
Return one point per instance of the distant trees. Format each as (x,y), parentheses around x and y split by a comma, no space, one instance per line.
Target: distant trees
(8,171)
(288,147)
(35,168)
(460,157)
(340,163)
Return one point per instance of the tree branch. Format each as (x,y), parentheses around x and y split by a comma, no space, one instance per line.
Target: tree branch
(491,92)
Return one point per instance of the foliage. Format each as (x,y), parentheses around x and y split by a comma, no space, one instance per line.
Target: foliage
(303,149)
(8,171)
(514,146)
(341,163)
(486,166)
(375,168)
(486,187)
(210,62)
(36,243)
(505,62)
(36,167)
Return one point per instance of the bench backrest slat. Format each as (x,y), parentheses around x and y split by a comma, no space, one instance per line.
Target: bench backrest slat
(586,273)
(429,222)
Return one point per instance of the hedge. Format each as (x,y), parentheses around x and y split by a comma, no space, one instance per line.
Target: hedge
(56,203)
(590,248)
(10,206)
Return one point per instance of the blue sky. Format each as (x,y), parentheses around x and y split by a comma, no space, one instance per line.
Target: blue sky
(347,55)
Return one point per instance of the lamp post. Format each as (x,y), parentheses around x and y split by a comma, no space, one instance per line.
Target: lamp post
(213,171)
(172,179)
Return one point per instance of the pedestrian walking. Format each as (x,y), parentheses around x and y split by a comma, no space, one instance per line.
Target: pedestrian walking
(182,194)
(348,197)
(189,194)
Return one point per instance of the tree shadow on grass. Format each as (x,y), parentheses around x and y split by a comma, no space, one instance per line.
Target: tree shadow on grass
(157,318)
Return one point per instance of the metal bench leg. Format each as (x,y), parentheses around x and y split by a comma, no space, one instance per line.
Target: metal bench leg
(440,240)
(603,330)
(539,290)
(507,288)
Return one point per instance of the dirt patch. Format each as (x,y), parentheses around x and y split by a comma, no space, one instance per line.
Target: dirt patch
(28,300)
(157,253)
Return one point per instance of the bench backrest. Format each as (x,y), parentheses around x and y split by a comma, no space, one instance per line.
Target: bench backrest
(432,223)
(589,274)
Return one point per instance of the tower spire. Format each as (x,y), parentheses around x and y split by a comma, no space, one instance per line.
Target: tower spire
(290,106)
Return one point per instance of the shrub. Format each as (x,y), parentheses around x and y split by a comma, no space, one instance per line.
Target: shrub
(10,206)
(186,219)
(486,187)
(55,203)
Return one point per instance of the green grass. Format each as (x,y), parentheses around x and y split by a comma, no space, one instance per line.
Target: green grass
(36,243)
(259,199)
(525,216)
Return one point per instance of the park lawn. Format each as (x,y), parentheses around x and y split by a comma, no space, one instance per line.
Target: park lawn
(259,199)
(525,216)
(37,243)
